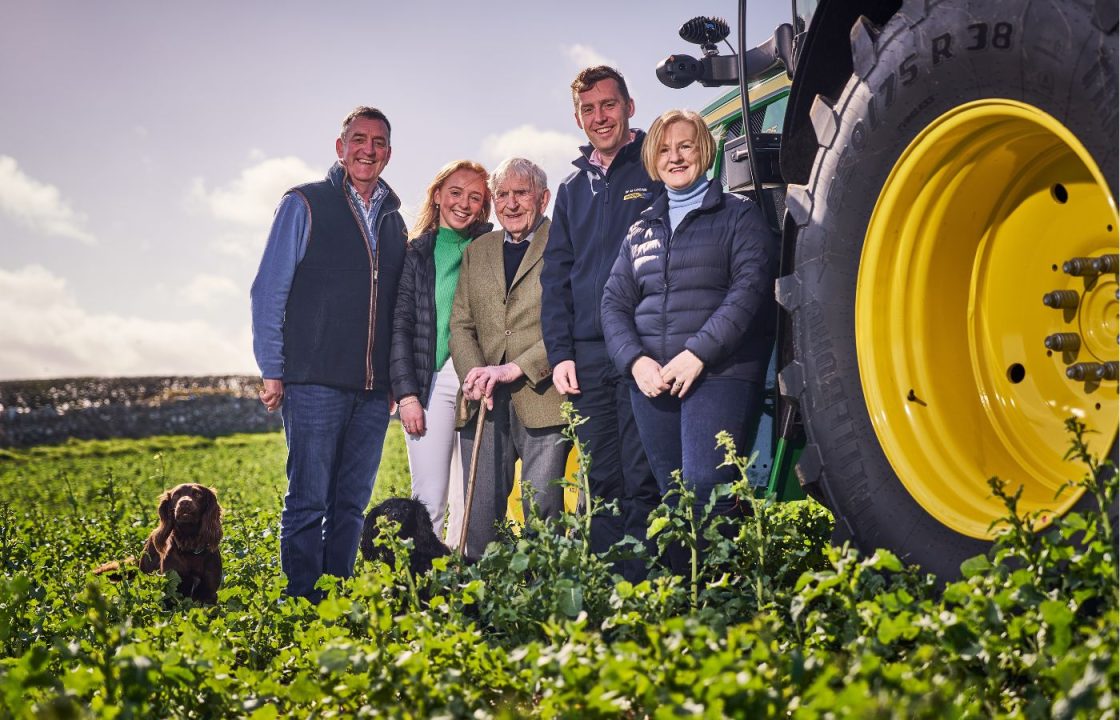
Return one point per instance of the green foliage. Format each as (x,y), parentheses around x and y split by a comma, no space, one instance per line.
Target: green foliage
(771,620)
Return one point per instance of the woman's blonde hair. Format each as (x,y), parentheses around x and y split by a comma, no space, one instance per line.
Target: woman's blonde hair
(428,219)
(706,145)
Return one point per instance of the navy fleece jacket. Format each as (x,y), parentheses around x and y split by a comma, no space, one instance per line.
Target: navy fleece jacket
(592,214)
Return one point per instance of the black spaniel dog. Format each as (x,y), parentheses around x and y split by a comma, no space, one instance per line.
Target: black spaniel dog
(415,524)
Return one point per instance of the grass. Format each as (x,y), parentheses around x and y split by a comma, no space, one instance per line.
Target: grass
(247,470)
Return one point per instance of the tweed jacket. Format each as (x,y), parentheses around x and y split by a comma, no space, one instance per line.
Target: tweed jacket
(489,327)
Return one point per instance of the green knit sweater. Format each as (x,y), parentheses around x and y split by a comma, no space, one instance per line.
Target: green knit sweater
(449,256)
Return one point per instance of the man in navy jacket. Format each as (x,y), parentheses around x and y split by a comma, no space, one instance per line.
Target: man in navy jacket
(595,206)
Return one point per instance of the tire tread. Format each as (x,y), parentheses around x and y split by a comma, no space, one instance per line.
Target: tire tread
(864,53)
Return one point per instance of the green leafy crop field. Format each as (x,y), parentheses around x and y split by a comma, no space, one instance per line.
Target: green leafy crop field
(774,622)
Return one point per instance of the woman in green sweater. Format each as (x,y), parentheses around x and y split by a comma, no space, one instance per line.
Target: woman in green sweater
(455,211)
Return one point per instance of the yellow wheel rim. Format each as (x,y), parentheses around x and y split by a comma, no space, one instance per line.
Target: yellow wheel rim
(972,229)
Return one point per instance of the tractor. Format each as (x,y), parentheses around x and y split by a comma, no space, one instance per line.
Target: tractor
(943,180)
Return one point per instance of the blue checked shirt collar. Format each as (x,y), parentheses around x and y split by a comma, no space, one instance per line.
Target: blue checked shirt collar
(369,212)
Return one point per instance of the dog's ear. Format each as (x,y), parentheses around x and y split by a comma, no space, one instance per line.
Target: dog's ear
(210,528)
(166,520)
(421,518)
(167,506)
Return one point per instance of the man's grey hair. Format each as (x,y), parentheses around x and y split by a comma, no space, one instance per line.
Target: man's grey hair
(520,167)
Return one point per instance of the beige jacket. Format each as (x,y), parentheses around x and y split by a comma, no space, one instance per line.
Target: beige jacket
(489,327)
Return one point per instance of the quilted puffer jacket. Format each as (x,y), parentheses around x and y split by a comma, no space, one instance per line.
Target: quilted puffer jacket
(707,287)
(413,356)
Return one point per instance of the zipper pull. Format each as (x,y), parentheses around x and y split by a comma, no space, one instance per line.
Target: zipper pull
(375,274)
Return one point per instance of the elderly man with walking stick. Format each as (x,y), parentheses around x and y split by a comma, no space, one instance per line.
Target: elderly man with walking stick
(497,347)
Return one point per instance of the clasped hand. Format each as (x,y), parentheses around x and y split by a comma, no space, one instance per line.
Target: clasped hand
(481,381)
(676,376)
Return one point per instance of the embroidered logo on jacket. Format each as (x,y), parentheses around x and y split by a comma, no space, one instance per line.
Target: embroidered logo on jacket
(639,193)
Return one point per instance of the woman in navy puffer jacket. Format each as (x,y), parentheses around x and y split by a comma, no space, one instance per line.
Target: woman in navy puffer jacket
(689,313)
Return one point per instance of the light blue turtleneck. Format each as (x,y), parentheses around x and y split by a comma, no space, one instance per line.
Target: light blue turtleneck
(681,201)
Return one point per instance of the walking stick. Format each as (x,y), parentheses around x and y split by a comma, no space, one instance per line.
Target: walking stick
(471,474)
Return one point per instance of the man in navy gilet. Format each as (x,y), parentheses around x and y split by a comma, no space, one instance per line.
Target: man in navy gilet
(322,322)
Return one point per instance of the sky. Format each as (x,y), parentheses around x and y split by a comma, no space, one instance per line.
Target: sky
(144,145)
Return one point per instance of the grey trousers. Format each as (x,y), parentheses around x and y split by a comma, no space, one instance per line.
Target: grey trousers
(543,453)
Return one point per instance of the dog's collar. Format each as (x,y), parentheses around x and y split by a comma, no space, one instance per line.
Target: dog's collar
(175,542)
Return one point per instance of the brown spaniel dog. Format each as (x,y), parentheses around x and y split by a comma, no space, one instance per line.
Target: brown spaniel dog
(186,541)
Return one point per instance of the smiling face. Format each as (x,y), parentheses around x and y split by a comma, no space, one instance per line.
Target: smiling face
(519,205)
(604,115)
(678,157)
(364,151)
(460,199)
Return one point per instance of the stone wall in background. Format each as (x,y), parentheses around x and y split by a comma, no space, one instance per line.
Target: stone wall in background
(36,412)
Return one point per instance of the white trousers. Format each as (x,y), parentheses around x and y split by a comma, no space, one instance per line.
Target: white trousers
(433,460)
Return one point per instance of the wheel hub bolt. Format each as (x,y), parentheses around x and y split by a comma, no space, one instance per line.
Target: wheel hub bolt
(1080,266)
(1108,371)
(1063,341)
(1061,299)
(1107,263)
(1082,371)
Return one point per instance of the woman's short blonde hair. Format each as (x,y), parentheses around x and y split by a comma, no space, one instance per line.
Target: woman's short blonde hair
(706,145)
(428,218)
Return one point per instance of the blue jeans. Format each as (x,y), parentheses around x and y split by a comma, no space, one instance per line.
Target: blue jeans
(681,434)
(334,447)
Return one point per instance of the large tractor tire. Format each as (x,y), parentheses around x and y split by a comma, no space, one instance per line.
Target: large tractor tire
(968,161)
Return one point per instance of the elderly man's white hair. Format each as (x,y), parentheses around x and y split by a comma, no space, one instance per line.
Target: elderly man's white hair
(522,168)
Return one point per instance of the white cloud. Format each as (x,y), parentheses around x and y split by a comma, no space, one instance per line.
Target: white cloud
(47,333)
(249,200)
(209,290)
(585,56)
(552,150)
(243,245)
(38,205)
(245,205)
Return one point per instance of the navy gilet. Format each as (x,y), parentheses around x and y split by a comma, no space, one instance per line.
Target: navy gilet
(331,312)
